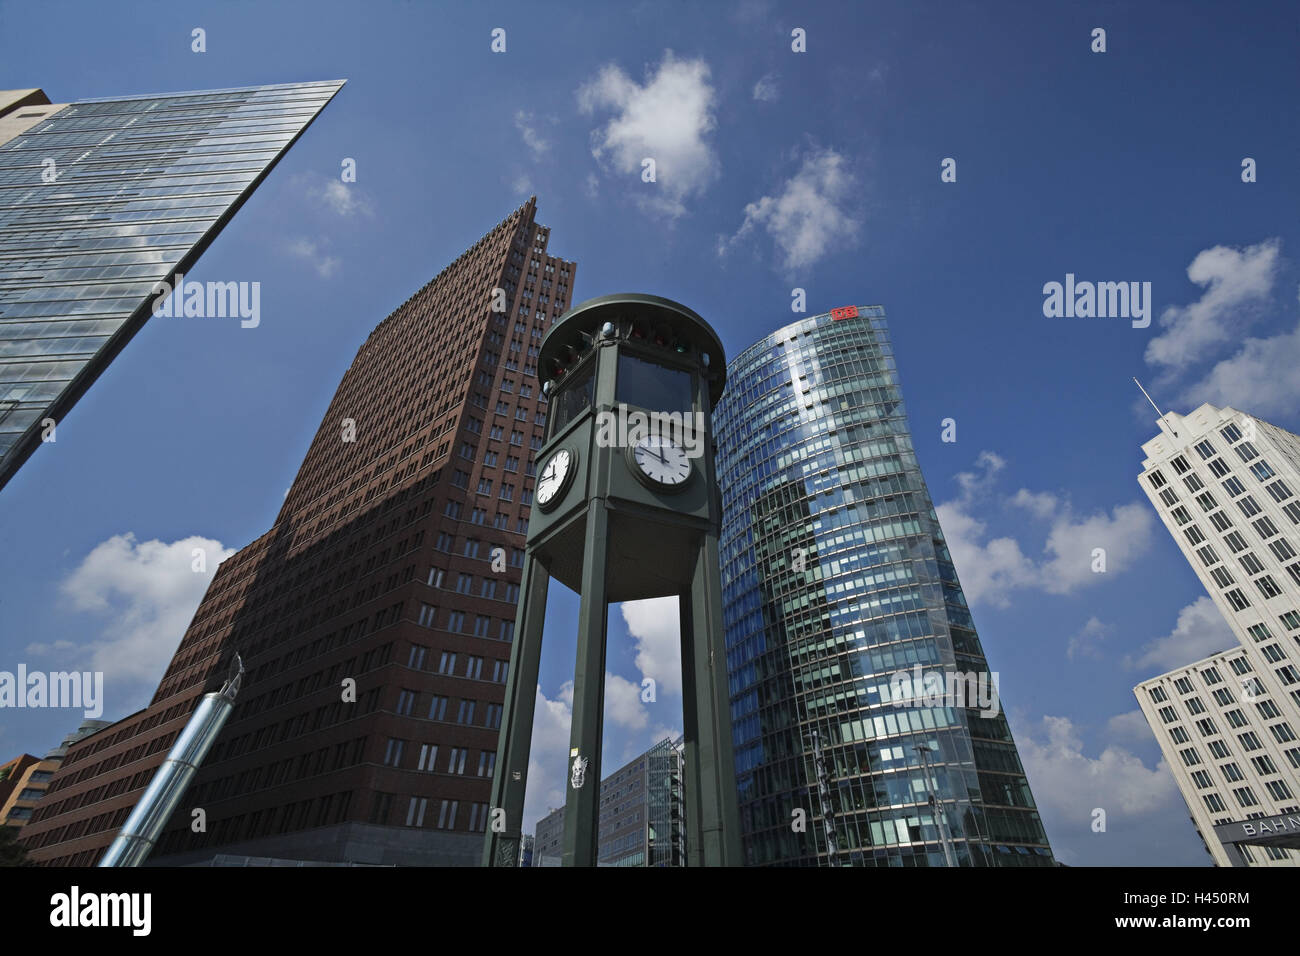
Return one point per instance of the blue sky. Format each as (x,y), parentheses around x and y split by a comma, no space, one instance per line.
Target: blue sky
(775,170)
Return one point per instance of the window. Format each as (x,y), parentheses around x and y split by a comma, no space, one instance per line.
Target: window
(1218,467)
(1262,471)
(571,396)
(1282,733)
(1206,501)
(1237,599)
(1194,535)
(456,622)
(1259,632)
(1202,780)
(1230,433)
(447,815)
(474,668)
(487,761)
(1233,486)
(393,752)
(1158,695)
(1205,450)
(1277,789)
(1245,796)
(405,702)
(1180,465)
(1223,697)
(1211,676)
(1249,506)
(428,756)
(437,711)
(1190,757)
(447,663)
(465,715)
(1282,549)
(493,719)
(1221,577)
(1235,541)
(1206,726)
(1195,705)
(464,583)
(416,659)
(1193,483)
(1221,521)
(415,812)
(1219,749)
(1232,773)
(481,625)
(1183,685)
(499,669)
(1169,497)
(1268,587)
(1249,741)
(1278,491)
(456,762)
(428,613)
(1246,451)
(1208,556)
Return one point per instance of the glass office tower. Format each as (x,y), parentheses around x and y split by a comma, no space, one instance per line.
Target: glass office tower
(102,200)
(839,593)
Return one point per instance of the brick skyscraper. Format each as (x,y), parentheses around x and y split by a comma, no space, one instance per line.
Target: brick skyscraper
(394,562)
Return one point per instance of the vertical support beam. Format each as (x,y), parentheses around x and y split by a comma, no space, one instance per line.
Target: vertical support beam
(582,808)
(713,807)
(510,781)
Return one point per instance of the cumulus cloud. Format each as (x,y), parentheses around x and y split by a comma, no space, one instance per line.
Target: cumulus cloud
(335,196)
(548,757)
(1199,632)
(668,119)
(1131,726)
(992,568)
(766,90)
(1085,642)
(1146,819)
(808,215)
(313,253)
(1264,377)
(1234,280)
(145,594)
(655,626)
(537,144)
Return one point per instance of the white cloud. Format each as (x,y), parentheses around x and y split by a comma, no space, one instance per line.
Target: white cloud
(591,186)
(1263,377)
(1146,819)
(1234,280)
(623,703)
(766,90)
(1131,726)
(527,126)
(1199,632)
(522,185)
(548,757)
(655,625)
(343,199)
(809,215)
(1084,643)
(146,593)
(991,569)
(314,255)
(667,119)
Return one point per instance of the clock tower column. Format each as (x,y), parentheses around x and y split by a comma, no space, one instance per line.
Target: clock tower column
(626,508)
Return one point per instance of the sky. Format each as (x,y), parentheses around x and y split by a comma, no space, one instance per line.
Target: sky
(775,169)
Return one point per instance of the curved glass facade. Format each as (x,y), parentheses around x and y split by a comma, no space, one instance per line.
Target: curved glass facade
(841,602)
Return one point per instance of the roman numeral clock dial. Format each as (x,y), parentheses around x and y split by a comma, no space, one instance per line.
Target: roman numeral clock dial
(661,463)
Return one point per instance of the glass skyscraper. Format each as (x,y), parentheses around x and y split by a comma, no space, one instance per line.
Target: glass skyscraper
(102,200)
(841,602)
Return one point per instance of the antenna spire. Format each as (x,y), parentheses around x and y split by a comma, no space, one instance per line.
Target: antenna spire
(1153,405)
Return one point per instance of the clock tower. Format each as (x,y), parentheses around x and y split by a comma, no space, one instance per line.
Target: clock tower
(626,508)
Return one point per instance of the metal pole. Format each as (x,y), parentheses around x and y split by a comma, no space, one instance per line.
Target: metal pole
(936,806)
(136,839)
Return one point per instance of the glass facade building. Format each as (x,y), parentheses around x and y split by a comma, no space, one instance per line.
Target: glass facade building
(841,601)
(101,201)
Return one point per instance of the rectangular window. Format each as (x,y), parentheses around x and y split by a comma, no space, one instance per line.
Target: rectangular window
(405,702)
(428,757)
(437,711)
(1205,450)
(415,813)
(1233,486)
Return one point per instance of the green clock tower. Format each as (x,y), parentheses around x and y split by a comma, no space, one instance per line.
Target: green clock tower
(626,507)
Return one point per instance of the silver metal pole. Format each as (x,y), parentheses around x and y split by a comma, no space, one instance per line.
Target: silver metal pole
(136,839)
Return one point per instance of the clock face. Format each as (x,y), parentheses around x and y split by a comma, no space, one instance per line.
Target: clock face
(662,461)
(553,476)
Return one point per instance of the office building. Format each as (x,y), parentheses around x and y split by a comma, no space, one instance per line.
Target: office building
(642,814)
(843,611)
(1226,486)
(24,780)
(103,200)
(375,617)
